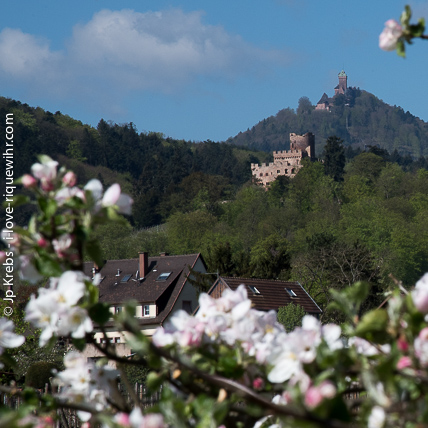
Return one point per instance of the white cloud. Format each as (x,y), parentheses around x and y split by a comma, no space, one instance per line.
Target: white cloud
(119,52)
(23,54)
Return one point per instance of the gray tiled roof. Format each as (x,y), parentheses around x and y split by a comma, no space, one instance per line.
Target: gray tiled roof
(150,289)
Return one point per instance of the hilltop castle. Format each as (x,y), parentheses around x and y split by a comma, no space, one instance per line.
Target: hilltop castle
(325,102)
(286,162)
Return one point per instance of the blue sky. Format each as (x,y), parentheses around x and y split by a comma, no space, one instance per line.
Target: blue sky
(199,70)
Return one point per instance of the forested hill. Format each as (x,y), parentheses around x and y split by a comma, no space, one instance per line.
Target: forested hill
(161,174)
(358,118)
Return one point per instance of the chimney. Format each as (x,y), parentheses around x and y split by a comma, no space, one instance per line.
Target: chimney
(163,254)
(144,263)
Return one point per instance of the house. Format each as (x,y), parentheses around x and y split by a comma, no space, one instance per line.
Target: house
(267,294)
(159,285)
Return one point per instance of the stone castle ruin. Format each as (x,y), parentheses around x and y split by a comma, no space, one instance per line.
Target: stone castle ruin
(286,162)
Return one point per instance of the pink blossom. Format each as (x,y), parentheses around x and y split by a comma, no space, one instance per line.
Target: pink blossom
(65,194)
(402,344)
(111,195)
(42,243)
(315,394)
(420,294)
(258,383)
(62,245)
(69,179)
(404,362)
(390,35)
(313,397)
(45,172)
(28,181)
(122,419)
(421,347)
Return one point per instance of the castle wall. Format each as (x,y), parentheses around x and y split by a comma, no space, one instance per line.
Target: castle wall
(286,162)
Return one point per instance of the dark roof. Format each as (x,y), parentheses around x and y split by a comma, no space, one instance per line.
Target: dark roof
(149,290)
(324,99)
(266,294)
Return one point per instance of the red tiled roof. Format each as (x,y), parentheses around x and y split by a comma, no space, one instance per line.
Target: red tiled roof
(266,294)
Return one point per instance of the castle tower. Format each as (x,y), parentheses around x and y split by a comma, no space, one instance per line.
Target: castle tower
(343,84)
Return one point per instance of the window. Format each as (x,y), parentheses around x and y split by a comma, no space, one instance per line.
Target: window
(117,340)
(254,289)
(291,292)
(117,309)
(278,171)
(126,278)
(163,276)
(187,306)
(146,312)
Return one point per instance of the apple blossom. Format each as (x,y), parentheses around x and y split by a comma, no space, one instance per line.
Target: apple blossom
(27,270)
(8,339)
(28,181)
(63,195)
(377,418)
(62,245)
(151,420)
(112,197)
(420,294)
(83,381)
(389,37)
(54,311)
(46,172)
(421,347)
(404,362)
(69,179)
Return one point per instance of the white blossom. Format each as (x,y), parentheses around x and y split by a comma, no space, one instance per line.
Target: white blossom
(377,418)
(9,339)
(389,37)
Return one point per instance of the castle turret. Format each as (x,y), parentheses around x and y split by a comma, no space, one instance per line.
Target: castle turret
(343,84)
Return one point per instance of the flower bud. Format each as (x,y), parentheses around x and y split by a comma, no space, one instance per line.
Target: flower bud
(69,179)
(28,181)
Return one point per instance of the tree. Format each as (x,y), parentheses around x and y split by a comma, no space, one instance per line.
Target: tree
(270,258)
(290,316)
(305,106)
(334,158)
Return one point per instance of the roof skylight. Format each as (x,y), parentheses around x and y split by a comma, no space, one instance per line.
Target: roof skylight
(254,289)
(163,276)
(291,292)
(126,278)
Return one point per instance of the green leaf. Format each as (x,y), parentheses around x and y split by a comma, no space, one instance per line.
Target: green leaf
(79,344)
(100,313)
(17,201)
(373,326)
(48,207)
(44,158)
(405,16)
(47,266)
(154,381)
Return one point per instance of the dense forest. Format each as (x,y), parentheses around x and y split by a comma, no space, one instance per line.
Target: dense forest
(358,117)
(359,214)
(161,173)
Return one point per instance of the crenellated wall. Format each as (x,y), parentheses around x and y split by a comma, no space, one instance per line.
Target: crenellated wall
(286,162)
